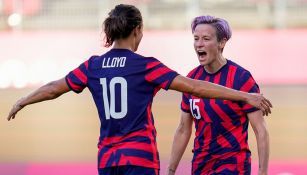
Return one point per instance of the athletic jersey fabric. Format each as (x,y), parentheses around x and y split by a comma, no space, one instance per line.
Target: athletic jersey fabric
(123,85)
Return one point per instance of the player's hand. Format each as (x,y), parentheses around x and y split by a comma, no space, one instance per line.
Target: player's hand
(17,107)
(260,102)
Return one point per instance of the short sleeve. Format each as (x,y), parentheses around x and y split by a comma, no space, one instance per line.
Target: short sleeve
(159,74)
(77,78)
(248,84)
(185,107)
(185,103)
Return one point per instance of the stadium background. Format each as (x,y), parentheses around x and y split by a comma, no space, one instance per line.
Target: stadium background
(41,40)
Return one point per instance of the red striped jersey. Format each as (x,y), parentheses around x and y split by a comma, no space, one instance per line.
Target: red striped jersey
(221,125)
(123,85)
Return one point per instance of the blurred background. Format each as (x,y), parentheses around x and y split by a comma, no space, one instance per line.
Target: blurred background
(42,40)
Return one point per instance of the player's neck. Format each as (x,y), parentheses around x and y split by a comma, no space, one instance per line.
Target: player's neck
(123,44)
(216,65)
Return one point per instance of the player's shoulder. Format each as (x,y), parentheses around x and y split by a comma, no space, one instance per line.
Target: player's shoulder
(93,60)
(239,69)
(150,59)
(194,71)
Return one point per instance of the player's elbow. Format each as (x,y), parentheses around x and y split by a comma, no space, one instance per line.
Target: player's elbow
(262,133)
(51,91)
(184,129)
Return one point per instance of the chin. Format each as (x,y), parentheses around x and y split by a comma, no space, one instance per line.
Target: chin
(203,63)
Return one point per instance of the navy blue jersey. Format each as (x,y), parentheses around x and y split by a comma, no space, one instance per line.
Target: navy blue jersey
(123,85)
(220,144)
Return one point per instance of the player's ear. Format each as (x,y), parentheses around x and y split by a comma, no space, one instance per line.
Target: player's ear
(137,30)
(222,43)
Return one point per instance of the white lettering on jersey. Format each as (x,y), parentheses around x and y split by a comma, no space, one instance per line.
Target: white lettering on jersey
(114,62)
(195,108)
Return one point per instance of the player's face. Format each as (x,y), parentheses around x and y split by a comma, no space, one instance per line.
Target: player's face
(205,44)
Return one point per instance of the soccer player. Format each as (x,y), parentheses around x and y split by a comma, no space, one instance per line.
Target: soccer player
(123,85)
(220,144)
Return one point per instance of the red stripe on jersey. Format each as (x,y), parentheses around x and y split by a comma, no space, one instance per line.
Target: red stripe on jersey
(223,142)
(134,145)
(185,106)
(192,72)
(241,157)
(80,75)
(223,167)
(217,78)
(237,134)
(217,109)
(209,167)
(186,95)
(163,85)
(207,137)
(197,133)
(118,139)
(128,145)
(86,64)
(207,78)
(234,106)
(204,113)
(139,161)
(230,76)
(247,107)
(156,90)
(152,64)
(244,144)
(199,73)
(106,156)
(151,129)
(249,84)
(74,86)
(157,73)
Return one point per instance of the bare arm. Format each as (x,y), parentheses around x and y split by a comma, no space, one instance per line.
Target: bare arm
(49,91)
(262,136)
(204,89)
(181,139)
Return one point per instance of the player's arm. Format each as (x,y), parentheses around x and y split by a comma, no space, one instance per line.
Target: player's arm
(49,91)
(262,136)
(181,139)
(204,89)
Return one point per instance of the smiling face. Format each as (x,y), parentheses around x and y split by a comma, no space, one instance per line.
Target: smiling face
(206,44)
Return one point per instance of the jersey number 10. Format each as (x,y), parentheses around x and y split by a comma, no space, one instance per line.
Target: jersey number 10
(109,108)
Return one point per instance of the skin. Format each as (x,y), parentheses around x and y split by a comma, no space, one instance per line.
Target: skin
(197,88)
(201,89)
(205,40)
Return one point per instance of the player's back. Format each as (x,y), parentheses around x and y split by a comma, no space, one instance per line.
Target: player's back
(123,85)
(121,93)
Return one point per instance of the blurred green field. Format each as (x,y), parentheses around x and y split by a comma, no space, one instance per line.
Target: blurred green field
(66,129)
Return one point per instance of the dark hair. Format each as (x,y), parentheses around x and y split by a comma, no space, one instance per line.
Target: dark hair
(222,27)
(120,22)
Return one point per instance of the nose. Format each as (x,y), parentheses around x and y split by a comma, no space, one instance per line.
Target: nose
(199,43)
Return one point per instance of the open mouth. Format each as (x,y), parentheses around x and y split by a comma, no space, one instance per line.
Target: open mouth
(201,53)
